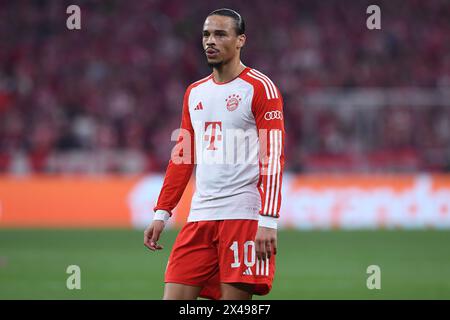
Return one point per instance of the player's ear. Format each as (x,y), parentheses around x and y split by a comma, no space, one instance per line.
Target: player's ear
(241,41)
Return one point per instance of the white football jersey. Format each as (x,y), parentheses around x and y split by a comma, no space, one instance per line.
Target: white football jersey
(233,133)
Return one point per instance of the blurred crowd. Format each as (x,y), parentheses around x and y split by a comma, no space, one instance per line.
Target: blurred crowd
(106,98)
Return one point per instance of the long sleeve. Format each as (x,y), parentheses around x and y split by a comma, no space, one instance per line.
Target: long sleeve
(267,109)
(181,163)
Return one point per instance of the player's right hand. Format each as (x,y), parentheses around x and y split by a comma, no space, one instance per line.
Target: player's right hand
(152,233)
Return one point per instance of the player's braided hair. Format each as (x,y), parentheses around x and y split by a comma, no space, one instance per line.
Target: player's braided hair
(240,24)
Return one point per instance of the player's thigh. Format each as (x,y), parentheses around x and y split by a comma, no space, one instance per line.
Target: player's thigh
(236,291)
(178,291)
(193,259)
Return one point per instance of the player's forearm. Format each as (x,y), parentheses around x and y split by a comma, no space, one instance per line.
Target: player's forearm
(175,182)
(271,175)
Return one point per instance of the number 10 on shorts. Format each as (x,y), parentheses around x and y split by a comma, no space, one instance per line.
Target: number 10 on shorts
(262,267)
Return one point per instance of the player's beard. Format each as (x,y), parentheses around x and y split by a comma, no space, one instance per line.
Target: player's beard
(215,65)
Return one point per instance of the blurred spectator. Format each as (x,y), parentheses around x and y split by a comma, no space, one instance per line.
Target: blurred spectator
(117,84)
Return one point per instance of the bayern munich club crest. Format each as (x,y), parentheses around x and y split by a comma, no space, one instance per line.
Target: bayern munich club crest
(233,102)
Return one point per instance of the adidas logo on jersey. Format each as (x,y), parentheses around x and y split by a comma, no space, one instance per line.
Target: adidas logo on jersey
(199,106)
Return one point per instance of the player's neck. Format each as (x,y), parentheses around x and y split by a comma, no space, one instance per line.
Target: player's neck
(228,72)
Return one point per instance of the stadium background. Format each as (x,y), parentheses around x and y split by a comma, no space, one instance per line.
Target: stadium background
(86,118)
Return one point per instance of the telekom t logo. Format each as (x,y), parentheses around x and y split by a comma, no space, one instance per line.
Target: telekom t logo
(212,138)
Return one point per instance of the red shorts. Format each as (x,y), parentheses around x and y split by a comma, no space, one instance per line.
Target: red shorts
(207,253)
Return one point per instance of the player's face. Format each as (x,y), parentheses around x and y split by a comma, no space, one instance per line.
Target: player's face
(220,41)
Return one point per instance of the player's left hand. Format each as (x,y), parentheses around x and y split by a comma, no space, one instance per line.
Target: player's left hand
(265,243)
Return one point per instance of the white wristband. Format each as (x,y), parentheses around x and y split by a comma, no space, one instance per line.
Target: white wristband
(161,215)
(268,222)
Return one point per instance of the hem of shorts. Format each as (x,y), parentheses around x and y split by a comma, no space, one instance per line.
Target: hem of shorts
(210,217)
(184,282)
(262,282)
